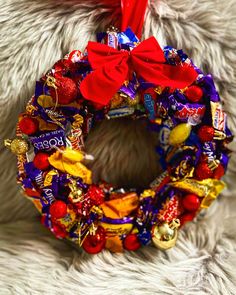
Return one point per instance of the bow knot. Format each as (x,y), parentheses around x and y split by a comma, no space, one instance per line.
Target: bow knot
(112,67)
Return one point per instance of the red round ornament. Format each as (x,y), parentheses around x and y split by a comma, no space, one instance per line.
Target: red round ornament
(186,218)
(191,202)
(96,194)
(58,209)
(219,172)
(28,125)
(58,231)
(94,244)
(41,161)
(131,242)
(63,66)
(206,133)
(194,93)
(203,171)
(66,91)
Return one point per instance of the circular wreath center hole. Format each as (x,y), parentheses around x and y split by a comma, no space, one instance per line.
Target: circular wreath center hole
(124,152)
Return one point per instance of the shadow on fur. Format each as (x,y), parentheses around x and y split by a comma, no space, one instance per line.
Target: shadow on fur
(124,152)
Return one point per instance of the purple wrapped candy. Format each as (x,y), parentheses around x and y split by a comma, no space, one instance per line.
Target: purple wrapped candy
(182,165)
(167,194)
(185,111)
(37,176)
(224,159)
(49,140)
(208,86)
(162,106)
(180,97)
(209,149)
(131,89)
(82,185)
(146,217)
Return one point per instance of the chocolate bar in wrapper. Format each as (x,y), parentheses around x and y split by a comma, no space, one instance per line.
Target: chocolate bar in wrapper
(49,140)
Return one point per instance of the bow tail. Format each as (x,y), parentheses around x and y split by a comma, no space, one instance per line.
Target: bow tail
(173,76)
(179,76)
(101,85)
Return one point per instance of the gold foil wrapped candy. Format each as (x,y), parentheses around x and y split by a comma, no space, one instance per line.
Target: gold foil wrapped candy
(76,194)
(208,188)
(133,101)
(117,100)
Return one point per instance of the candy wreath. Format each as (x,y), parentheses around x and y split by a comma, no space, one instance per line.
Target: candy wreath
(115,77)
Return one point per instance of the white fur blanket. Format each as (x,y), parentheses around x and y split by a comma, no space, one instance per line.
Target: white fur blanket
(34,34)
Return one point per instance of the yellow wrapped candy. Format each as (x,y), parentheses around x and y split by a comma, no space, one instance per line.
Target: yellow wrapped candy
(147,193)
(207,188)
(121,207)
(72,155)
(49,177)
(78,121)
(116,222)
(179,133)
(115,229)
(114,244)
(68,161)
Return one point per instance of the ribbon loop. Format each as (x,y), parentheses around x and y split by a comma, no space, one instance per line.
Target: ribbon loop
(133,15)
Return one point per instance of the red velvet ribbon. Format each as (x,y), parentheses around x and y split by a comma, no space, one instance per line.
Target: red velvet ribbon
(111,68)
(133,12)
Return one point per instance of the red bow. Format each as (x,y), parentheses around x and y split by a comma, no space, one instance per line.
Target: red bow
(111,68)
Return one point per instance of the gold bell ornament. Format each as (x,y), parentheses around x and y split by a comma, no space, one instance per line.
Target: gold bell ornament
(18,146)
(164,236)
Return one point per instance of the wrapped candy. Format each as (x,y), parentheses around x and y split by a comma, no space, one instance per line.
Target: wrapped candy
(49,140)
(76,134)
(179,133)
(69,161)
(115,229)
(62,215)
(170,210)
(208,189)
(120,207)
(186,110)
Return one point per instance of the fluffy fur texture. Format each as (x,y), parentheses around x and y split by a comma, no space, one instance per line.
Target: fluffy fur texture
(133,161)
(34,34)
